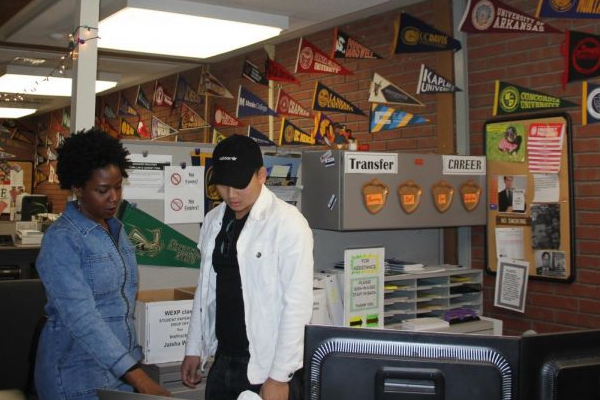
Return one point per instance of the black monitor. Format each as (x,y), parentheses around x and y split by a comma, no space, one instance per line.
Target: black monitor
(361,364)
(33,204)
(561,366)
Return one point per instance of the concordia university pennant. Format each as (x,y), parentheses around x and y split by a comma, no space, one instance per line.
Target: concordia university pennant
(250,104)
(414,36)
(582,56)
(253,74)
(384,118)
(511,99)
(345,46)
(291,134)
(277,72)
(492,16)
(286,105)
(312,60)
(431,82)
(325,99)
(568,9)
(384,91)
(223,118)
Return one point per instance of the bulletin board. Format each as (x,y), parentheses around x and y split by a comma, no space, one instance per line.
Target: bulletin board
(530,195)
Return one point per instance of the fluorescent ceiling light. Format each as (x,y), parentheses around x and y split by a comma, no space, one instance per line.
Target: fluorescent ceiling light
(40,82)
(184,28)
(17,109)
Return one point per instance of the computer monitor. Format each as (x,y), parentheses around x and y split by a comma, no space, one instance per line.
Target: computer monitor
(359,364)
(32,204)
(561,366)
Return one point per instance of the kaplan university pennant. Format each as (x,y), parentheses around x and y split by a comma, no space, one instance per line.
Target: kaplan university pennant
(414,36)
(325,99)
(383,91)
(431,82)
(384,118)
(511,99)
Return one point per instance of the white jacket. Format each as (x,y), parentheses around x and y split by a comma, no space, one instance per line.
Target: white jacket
(275,255)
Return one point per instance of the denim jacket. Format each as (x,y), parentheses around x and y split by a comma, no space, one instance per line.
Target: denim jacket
(91,280)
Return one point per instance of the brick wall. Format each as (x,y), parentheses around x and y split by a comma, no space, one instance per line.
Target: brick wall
(535,62)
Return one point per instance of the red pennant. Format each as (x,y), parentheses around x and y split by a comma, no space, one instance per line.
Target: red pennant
(277,72)
(312,60)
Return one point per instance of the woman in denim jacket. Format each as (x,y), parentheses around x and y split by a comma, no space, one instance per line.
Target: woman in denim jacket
(88,267)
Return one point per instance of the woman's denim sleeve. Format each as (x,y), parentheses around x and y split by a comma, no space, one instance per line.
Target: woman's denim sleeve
(60,267)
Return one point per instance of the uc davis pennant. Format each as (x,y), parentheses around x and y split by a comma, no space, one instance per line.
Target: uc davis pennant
(157,243)
(291,134)
(345,46)
(568,9)
(253,74)
(582,56)
(431,82)
(511,99)
(250,104)
(277,72)
(384,91)
(259,137)
(492,16)
(412,35)
(312,60)
(286,105)
(190,119)
(223,118)
(384,118)
(325,99)
(590,102)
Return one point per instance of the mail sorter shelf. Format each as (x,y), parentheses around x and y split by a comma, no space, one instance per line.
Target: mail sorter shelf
(418,295)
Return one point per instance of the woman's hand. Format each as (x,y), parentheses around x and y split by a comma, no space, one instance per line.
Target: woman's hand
(142,383)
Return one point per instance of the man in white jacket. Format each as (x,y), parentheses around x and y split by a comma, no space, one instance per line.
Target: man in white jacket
(254,293)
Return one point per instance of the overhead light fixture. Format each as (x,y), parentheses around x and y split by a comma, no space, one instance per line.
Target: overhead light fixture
(45,81)
(16,109)
(183,28)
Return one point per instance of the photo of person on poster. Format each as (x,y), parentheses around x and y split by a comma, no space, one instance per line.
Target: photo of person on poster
(545,234)
(511,194)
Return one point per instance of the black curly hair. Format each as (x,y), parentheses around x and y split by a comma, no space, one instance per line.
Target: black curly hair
(86,151)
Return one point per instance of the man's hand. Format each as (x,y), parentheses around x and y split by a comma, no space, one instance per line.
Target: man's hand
(190,376)
(144,384)
(275,390)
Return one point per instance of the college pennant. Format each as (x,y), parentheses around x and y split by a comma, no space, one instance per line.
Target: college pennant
(105,125)
(431,82)
(323,130)
(277,72)
(223,118)
(582,56)
(345,46)
(159,129)
(312,60)
(590,103)
(142,130)
(325,99)
(217,136)
(259,137)
(250,104)
(142,100)
(568,9)
(126,109)
(291,134)
(190,119)
(383,91)
(126,129)
(109,112)
(253,74)
(384,118)
(511,99)
(493,16)
(161,97)
(412,35)
(286,105)
(184,92)
(209,85)
(40,177)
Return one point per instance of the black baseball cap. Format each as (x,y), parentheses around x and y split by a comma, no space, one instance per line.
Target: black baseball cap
(235,159)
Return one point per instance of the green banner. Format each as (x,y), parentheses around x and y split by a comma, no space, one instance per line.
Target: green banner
(155,242)
(513,99)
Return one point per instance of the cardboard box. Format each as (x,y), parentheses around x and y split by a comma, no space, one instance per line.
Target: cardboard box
(320,316)
(162,318)
(335,308)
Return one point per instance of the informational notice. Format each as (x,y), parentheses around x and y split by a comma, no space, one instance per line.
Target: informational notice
(146,177)
(184,195)
(363,287)
(511,284)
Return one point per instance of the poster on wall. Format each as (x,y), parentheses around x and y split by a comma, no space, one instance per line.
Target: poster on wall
(530,197)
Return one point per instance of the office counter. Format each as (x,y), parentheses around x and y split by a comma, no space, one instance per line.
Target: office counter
(17,261)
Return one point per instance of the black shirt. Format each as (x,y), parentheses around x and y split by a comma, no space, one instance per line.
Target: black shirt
(230,327)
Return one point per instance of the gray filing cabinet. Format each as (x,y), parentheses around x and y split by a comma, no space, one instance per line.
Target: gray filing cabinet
(332,196)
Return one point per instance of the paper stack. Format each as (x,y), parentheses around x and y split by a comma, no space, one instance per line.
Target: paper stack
(424,324)
(29,236)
